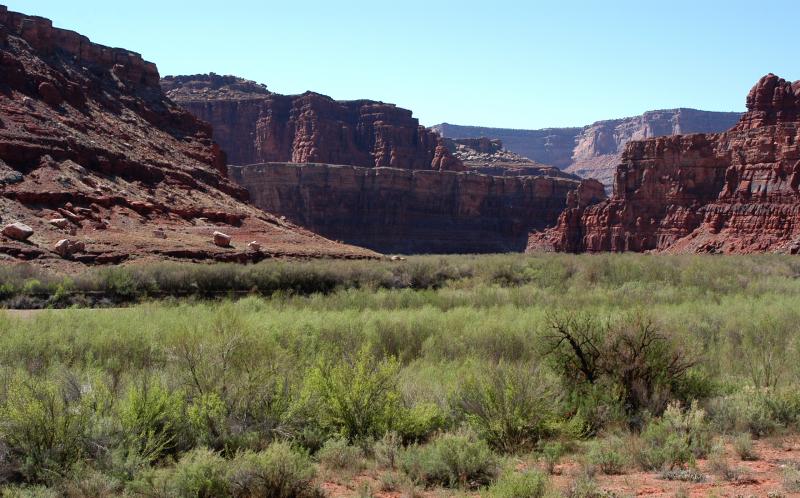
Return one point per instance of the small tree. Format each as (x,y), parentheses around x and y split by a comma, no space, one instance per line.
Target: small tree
(631,357)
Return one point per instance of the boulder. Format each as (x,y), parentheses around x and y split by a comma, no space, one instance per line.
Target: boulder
(222,240)
(18,231)
(254,246)
(62,223)
(66,248)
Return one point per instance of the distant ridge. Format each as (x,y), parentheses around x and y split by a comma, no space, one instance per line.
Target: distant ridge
(593,151)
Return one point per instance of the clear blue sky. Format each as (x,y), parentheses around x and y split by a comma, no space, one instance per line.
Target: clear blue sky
(522,64)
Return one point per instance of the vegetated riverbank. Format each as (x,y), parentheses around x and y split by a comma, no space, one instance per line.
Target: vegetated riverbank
(431,376)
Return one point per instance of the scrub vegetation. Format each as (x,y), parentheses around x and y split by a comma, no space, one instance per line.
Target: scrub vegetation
(436,373)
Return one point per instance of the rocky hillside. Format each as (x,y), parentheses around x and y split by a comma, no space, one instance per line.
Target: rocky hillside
(594,151)
(256,126)
(98,166)
(734,192)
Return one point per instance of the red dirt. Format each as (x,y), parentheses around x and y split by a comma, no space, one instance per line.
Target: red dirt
(761,477)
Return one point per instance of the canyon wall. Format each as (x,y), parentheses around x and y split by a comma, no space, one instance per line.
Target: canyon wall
(366,173)
(734,192)
(594,151)
(93,153)
(254,125)
(413,211)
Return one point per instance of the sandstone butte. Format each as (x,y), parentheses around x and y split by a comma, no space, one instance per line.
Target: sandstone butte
(92,152)
(733,192)
(367,173)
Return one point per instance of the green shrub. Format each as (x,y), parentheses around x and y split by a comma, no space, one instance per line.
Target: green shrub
(717,458)
(152,420)
(28,492)
(528,484)
(607,455)
(452,460)
(743,444)
(338,454)
(685,475)
(90,483)
(43,426)
(508,405)
(417,422)
(206,416)
(551,454)
(759,412)
(584,486)
(387,450)
(791,479)
(675,440)
(358,397)
(200,473)
(280,471)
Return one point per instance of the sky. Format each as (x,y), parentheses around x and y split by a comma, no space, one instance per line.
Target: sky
(511,64)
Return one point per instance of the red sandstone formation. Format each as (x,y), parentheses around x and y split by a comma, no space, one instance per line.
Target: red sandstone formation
(92,152)
(256,126)
(402,188)
(594,151)
(735,192)
(419,211)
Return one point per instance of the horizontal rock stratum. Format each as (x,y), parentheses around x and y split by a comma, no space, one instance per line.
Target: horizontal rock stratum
(92,151)
(413,211)
(733,192)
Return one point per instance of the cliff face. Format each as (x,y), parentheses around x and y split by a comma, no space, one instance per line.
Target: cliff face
(91,151)
(404,211)
(366,173)
(595,150)
(256,126)
(734,192)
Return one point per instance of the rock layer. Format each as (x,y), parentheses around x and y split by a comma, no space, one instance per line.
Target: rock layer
(256,126)
(420,211)
(594,151)
(734,192)
(88,138)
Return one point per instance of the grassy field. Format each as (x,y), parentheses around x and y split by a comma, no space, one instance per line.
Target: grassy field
(436,374)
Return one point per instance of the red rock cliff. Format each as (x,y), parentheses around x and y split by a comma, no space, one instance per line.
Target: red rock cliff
(419,211)
(93,152)
(735,192)
(256,126)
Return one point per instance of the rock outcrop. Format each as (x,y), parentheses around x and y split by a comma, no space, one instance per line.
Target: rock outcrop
(594,151)
(413,211)
(734,192)
(91,149)
(254,125)
(489,157)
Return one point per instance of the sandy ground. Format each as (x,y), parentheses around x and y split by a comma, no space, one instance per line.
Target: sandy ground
(760,478)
